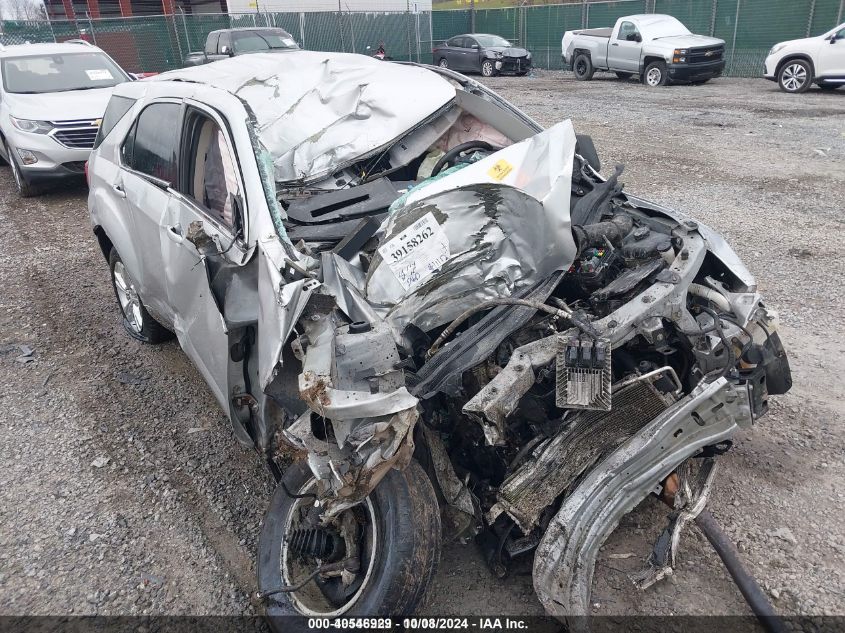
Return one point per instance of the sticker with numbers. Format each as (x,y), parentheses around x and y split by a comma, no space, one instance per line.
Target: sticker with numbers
(417,252)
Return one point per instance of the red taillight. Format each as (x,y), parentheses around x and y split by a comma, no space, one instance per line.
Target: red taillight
(87,181)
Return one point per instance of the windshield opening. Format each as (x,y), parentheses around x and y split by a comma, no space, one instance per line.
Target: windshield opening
(667,26)
(61,72)
(264,40)
(491,40)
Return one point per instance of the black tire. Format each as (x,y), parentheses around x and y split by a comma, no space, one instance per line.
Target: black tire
(443,63)
(624,76)
(583,68)
(656,74)
(826,86)
(149,330)
(404,559)
(795,76)
(488,68)
(24,188)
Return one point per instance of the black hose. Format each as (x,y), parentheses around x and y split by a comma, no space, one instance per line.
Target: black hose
(751,591)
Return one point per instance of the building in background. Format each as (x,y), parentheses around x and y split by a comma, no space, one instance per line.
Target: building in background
(78,9)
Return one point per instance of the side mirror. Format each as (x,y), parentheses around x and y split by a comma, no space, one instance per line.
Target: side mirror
(475,46)
(226,50)
(634,37)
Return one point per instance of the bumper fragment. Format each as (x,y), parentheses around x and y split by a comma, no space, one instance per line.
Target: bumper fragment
(566,556)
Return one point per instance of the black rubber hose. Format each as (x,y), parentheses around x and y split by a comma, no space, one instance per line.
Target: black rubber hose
(751,591)
(455,151)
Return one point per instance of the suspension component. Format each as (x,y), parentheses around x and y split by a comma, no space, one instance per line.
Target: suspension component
(321,543)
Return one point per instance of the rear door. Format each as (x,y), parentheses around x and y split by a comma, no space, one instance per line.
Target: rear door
(148,158)
(202,236)
(623,54)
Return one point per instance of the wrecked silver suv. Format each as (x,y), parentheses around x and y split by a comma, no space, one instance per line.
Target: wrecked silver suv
(432,319)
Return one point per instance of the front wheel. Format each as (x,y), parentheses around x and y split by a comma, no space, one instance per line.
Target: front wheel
(487,68)
(23,186)
(795,76)
(388,547)
(656,74)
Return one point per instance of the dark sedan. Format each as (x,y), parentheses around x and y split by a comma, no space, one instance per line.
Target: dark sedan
(482,53)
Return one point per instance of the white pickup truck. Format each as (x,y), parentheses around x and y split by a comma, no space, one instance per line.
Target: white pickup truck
(658,48)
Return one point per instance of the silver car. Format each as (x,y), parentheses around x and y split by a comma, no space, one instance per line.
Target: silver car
(52,97)
(429,316)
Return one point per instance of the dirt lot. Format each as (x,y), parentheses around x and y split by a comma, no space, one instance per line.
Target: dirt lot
(123,491)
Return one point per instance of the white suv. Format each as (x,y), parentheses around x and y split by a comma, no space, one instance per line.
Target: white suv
(797,64)
(52,98)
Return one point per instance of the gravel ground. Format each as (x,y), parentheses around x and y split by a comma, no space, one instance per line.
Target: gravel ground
(123,490)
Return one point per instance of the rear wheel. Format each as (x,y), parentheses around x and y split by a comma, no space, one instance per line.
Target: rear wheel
(795,76)
(443,63)
(487,68)
(136,319)
(582,66)
(389,546)
(655,74)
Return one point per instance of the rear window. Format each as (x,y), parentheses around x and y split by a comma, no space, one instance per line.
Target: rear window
(117,108)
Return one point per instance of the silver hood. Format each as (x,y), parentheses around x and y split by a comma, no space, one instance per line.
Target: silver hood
(60,106)
(317,112)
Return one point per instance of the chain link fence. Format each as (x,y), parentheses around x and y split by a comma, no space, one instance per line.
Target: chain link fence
(749,27)
(159,43)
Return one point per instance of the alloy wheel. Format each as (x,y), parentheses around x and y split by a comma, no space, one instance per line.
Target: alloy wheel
(654,77)
(443,63)
(794,77)
(127,295)
(487,69)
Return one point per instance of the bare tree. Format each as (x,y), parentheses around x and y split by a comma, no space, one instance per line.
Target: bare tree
(23,10)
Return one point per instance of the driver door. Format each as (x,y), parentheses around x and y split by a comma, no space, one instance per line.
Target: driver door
(201,236)
(623,54)
(831,58)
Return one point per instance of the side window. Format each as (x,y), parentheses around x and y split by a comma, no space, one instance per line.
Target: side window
(211,173)
(469,42)
(211,43)
(626,30)
(225,43)
(117,108)
(153,144)
(455,42)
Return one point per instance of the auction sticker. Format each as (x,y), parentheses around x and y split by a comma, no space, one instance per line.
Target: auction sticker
(417,252)
(99,74)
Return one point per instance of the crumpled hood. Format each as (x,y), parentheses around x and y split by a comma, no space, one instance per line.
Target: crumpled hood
(508,51)
(319,111)
(483,232)
(689,41)
(60,106)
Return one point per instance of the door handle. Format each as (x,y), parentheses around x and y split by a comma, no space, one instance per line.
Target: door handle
(118,189)
(174,233)
(615,44)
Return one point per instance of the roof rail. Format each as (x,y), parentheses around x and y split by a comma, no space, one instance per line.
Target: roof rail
(78,41)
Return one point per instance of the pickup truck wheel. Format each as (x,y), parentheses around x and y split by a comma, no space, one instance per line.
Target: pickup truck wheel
(395,530)
(655,74)
(795,76)
(487,68)
(582,66)
(137,321)
(624,76)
